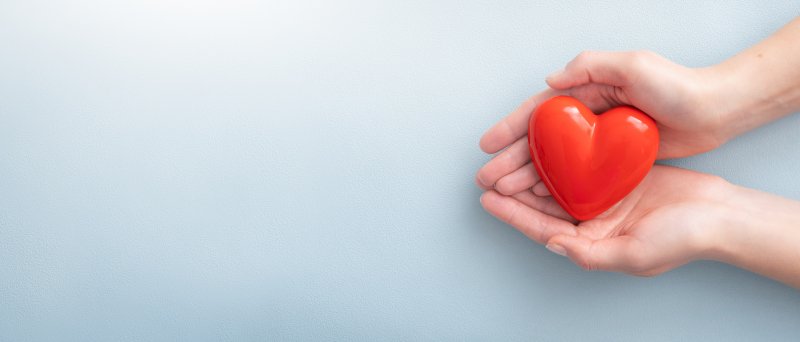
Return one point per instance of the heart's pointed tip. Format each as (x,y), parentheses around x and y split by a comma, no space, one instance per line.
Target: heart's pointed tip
(581,216)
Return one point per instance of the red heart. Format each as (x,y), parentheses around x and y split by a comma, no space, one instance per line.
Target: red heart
(589,162)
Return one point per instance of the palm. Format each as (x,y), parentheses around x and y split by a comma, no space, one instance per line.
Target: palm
(660,219)
(657,227)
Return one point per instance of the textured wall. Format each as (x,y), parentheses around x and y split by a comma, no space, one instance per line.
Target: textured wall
(233,170)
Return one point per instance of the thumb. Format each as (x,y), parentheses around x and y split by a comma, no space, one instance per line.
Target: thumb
(611,254)
(611,68)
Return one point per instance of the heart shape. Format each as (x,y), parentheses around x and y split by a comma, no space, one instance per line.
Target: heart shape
(590,162)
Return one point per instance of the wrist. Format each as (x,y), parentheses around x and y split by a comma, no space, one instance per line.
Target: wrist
(725,97)
(753,88)
(731,225)
(718,240)
(755,230)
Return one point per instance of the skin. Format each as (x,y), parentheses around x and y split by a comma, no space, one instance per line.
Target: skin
(674,216)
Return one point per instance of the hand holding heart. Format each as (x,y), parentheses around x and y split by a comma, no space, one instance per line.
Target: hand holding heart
(589,163)
(630,236)
(680,99)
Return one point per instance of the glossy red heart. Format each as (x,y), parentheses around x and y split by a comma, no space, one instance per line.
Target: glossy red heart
(590,162)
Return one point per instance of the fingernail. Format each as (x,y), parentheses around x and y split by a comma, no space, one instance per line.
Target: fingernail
(557,249)
(555,74)
(483,181)
(484,197)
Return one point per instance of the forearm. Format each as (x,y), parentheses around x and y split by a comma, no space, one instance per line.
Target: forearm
(760,232)
(760,84)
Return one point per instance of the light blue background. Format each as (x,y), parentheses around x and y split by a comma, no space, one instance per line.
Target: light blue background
(240,170)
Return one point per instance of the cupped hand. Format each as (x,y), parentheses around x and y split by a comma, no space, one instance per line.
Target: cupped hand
(674,95)
(672,217)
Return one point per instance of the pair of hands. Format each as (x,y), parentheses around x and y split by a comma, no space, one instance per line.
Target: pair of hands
(672,217)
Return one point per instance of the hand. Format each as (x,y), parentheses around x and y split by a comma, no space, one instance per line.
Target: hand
(673,217)
(672,94)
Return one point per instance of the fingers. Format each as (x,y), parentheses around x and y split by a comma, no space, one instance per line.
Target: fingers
(612,68)
(610,254)
(521,179)
(509,174)
(547,205)
(598,97)
(541,190)
(508,161)
(513,126)
(535,224)
(480,185)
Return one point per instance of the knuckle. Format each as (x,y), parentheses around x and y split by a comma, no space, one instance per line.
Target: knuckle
(504,186)
(586,260)
(586,265)
(582,93)
(508,126)
(507,163)
(543,229)
(513,214)
(640,58)
(583,56)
